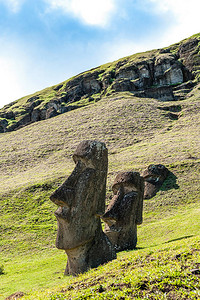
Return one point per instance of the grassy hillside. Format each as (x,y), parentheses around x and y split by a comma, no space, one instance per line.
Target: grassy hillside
(170,71)
(35,159)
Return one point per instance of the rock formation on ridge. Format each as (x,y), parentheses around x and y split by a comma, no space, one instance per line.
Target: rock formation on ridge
(165,74)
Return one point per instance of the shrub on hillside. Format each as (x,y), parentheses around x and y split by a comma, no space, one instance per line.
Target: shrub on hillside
(1,269)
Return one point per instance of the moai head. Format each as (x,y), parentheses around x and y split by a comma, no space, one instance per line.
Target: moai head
(81,201)
(154,177)
(124,212)
(82,196)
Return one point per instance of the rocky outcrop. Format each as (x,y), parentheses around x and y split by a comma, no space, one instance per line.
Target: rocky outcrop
(167,70)
(3,125)
(165,74)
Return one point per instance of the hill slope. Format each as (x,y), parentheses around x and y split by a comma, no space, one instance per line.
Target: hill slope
(138,131)
(165,74)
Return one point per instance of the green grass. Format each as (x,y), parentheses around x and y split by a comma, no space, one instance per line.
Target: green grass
(34,161)
(160,267)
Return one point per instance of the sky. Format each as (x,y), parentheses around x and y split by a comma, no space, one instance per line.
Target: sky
(44,42)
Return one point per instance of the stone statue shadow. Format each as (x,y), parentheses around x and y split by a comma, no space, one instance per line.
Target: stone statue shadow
(170,182)
(180,238)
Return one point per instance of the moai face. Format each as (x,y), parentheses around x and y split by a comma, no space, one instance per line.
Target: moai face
(154,177)
(124,212)
(81,198)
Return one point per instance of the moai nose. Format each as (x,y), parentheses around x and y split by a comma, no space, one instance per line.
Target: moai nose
(62,196)
(110,217)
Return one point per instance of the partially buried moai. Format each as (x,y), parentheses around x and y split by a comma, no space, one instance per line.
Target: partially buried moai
(124,212)
(154,176)
(81,201)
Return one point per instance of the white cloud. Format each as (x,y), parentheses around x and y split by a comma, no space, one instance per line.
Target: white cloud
(13,5)
(11,88)
(91,12)
(185,16)
(16,70)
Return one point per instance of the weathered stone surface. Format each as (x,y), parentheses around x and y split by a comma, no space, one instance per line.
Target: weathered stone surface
(154,78)
(91,86)
(154,177)
(168,71)
(81,201)
(35,115)
(189,53)
(163,93)
(124,85)
(124,212)
(51,112)
(130,72)
(3,125)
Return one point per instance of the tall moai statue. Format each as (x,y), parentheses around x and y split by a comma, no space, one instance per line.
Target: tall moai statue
(81,201)
(124,212)
(154,176)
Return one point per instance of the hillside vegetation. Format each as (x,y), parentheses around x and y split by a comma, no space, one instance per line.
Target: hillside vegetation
(138,131)
(165,74)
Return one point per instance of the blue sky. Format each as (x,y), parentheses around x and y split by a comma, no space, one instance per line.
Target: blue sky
(44,42)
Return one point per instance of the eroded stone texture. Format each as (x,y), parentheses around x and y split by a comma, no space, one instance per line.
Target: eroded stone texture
(81,201)
(3,125)
(154,177)
(168,71)
(124,212)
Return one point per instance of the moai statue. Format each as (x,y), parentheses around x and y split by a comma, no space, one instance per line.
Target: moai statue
(81,201)
(154,177)
(124,212)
